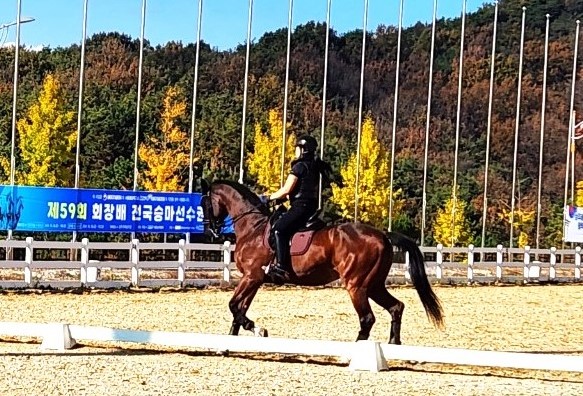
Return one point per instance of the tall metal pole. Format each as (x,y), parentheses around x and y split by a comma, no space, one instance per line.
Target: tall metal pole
(457,124)
(139,99)
(489,128)
(81,87)
(516,130)
(80,106)
(14,102)
(427,123)
(15,94)
(395,110)
(194,97)
(542,133)
(324,92)
(359,133)
(574,122)
(289,32)
(245,89)
(571,108)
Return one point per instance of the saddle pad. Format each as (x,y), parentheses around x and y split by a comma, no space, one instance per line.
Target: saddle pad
(300,242)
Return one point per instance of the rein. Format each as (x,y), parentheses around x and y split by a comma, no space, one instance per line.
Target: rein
(253,210)
(250,211)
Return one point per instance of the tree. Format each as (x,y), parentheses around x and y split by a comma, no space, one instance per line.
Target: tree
(167,156)
(452,231)
(553,225)
(265,161)
(373,185)
(579,194)
(523,223)
(46,139)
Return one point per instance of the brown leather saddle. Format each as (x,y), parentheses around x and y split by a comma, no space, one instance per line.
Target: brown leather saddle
(301,240)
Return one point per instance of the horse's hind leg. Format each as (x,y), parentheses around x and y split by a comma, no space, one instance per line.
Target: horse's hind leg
(380,295)
(239,304)
(362,306)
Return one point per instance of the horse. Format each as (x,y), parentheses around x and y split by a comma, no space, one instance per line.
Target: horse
(357,254)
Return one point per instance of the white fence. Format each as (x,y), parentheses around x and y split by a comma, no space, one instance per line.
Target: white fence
(88,270)
(477,266)
(76,269)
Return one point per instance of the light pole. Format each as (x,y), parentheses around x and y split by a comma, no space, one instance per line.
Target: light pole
(542,132)
(245,90)
(139,98)
(395,112)
(516,130)
(458,121)
(286,89)
(19,21)
(489,127)
(359,126)
(80,104)
(324,93)
(427,123)
(194,97)
(4,28)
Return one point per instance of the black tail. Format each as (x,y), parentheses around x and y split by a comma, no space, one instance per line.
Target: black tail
(419,277)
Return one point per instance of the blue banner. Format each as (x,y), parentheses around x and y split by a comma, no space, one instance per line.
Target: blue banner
(25,208)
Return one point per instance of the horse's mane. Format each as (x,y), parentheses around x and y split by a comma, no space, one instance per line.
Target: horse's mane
(246,193)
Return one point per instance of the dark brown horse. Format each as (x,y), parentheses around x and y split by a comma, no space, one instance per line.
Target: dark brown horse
(359,255)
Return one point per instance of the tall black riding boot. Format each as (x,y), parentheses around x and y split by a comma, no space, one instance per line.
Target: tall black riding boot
(280,272)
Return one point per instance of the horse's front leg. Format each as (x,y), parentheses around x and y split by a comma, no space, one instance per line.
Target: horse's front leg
(239,304)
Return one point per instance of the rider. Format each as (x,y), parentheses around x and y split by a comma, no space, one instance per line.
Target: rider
(301,187)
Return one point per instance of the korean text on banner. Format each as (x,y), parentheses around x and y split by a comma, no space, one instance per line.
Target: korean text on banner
(25,208)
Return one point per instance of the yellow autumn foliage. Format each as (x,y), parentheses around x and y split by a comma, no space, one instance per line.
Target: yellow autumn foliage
(166,157)
(579,194)
(523,223)
(265,161)
(374,182)
(451,228)
(46,138)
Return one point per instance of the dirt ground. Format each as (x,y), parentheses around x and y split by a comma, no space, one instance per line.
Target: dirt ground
(510,318)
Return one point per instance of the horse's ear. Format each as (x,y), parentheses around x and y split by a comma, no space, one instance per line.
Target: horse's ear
(205,186)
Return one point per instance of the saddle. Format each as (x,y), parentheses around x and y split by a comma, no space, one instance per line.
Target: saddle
(301,240)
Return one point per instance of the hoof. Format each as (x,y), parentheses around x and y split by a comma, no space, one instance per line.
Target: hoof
(362,337)
(260,332)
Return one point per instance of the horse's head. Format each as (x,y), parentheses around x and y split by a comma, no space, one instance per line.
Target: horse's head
(214,211)
(223,198)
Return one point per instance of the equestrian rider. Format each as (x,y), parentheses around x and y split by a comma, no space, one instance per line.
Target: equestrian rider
(301,188)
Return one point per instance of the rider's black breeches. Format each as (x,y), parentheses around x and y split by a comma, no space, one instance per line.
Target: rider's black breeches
(294,219)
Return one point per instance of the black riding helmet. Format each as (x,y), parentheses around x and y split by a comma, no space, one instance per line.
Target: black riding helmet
(308,144)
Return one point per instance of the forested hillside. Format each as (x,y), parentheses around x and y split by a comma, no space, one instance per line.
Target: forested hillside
(108,122)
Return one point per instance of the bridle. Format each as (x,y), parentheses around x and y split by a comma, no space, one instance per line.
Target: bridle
(212,225)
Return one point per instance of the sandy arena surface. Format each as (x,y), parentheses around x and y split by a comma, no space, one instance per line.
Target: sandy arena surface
(512,318)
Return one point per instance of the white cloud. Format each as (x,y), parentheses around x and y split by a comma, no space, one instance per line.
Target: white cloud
(35,48)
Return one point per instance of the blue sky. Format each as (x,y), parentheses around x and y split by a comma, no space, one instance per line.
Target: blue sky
(224,25)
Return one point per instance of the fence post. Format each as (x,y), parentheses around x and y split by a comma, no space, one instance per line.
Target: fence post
(526,259)
(499,261)
(578,263)
(135,258)
(439,261)
(181,261)
(226,262)
(471,263)
(84,261)
(28,260)
(407,265)
(553,264)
